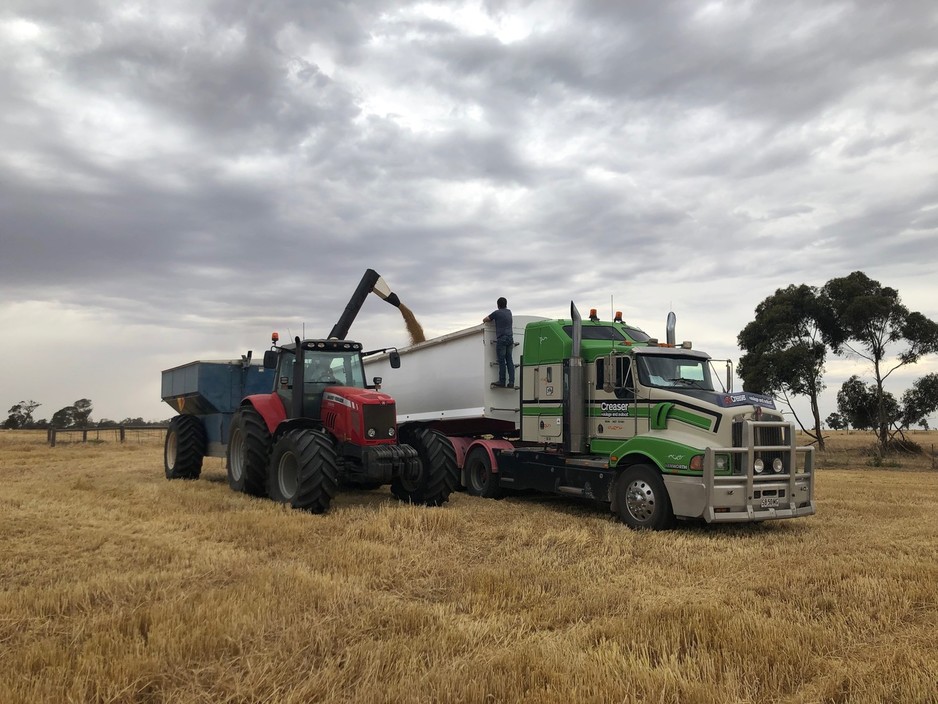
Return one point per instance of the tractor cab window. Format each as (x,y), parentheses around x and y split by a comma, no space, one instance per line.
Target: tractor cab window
(332,368)
(666,371)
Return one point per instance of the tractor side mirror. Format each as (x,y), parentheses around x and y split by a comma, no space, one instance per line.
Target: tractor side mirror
(395,359)
(270,359)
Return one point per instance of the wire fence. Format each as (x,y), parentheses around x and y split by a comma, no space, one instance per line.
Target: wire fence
(138,434)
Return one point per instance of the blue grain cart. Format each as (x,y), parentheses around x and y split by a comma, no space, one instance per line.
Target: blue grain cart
(206,395)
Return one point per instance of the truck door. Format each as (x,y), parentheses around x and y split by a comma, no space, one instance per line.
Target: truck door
(614,412)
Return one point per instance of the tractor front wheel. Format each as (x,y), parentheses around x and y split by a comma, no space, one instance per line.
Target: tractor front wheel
(248,450)
(184,448)
(435,477)
(305,470)
(642,500)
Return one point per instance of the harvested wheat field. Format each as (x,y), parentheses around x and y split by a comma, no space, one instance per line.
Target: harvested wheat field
(120,586)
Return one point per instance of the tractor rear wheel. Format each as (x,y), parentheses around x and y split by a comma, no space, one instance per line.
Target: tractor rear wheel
(642,500)
(480,479)
(248,450)
(435,477)
(184,448)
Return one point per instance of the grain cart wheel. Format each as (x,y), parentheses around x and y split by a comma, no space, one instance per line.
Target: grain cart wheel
(185,447)
(248,450)
(642,500)
(480,480)
(431,480)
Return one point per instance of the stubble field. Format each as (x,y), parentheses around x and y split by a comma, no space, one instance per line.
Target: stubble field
(119,586)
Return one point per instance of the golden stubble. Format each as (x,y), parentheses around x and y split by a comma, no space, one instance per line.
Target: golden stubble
(119,586)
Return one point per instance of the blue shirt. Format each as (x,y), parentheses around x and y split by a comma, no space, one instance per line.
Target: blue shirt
(502,319)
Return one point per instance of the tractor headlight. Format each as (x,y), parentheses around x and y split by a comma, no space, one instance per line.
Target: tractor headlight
(372,432)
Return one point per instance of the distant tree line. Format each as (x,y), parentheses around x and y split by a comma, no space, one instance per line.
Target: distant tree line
(77,415)
(785,350)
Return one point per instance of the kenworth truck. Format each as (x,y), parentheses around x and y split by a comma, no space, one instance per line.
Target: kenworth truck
(305,422)
(604,412)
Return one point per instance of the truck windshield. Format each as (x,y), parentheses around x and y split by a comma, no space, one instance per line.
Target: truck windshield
(667,371)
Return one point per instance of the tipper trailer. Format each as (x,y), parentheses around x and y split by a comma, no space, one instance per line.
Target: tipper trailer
(607,413)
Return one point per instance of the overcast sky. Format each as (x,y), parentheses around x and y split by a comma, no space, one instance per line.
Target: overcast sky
(179,179)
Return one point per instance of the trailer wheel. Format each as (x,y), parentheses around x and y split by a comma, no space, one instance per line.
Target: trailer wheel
(435,477)
(480,479)
(642,500)
(184,448)
(248,450)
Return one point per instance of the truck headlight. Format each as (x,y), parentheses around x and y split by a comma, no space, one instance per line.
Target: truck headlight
(390,432)
(777,465)
(758,466)
(721,463)
(372,432)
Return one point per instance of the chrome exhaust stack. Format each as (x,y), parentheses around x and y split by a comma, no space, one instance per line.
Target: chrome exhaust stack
(574,408)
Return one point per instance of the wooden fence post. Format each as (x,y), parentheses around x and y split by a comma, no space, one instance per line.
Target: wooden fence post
(122,434)
(52,436)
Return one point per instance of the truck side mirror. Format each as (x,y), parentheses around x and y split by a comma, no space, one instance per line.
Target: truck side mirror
(395,359)
(270,359)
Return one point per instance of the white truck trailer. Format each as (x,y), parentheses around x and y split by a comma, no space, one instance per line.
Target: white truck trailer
(607,413)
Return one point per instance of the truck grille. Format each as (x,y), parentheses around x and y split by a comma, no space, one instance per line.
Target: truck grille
(765,437)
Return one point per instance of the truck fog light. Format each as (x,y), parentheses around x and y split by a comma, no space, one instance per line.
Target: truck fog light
(777,465)
(758,466)
(372,432)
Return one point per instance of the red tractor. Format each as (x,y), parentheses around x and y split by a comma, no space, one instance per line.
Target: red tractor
(322,426)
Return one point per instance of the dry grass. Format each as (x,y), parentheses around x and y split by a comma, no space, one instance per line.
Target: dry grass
(119,586)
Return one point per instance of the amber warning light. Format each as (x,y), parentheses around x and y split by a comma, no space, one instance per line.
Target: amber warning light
(275,337)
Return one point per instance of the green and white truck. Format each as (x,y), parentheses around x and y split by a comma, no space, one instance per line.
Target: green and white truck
(604,412)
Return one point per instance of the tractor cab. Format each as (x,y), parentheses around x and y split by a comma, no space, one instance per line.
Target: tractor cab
(306,369)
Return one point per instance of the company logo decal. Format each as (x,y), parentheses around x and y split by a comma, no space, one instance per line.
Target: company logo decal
(747,399)
(614,410)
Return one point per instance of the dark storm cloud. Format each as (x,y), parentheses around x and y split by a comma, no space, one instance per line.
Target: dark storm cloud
(197,172)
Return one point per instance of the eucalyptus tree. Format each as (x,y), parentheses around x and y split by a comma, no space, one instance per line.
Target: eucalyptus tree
(785,350)
(870,322)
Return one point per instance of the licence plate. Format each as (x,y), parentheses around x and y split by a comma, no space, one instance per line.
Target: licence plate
(771,502)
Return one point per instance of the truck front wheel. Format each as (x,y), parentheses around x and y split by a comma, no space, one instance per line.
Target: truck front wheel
(184,448)
(435,477)
(248,450)
(303,471)
(642,500)
(480,479)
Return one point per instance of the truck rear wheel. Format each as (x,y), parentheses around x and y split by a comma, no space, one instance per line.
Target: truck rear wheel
(642,500)
(248,450)
(435,477)
(480,479)
(184,448)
